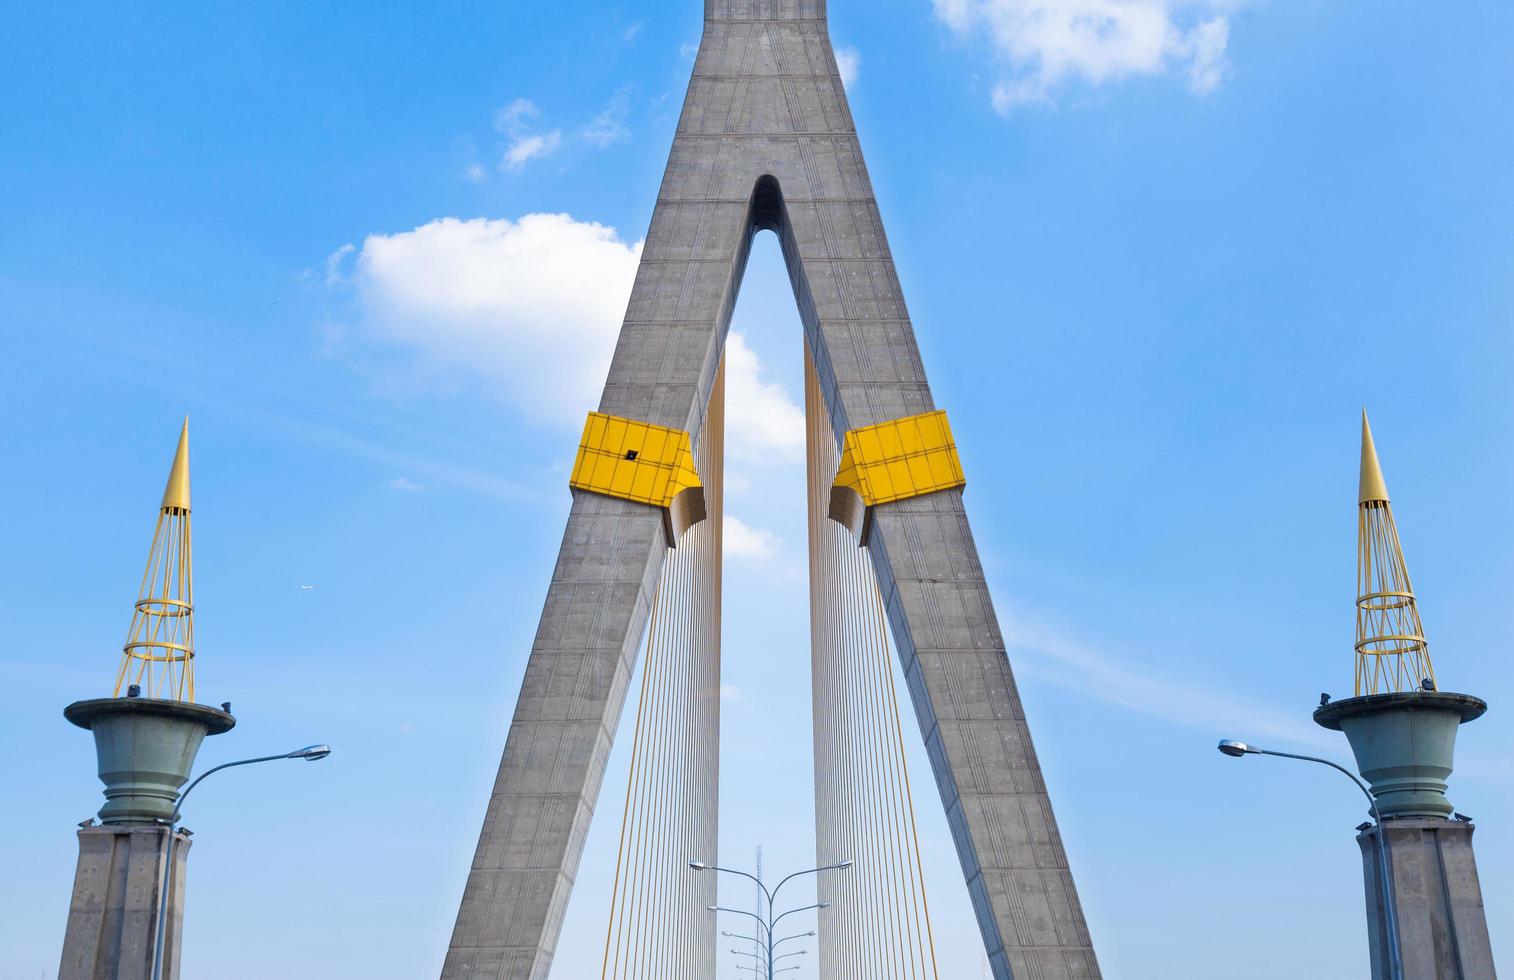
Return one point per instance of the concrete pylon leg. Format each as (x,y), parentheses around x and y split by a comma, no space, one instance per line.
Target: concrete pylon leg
(113,914)
(1442,925)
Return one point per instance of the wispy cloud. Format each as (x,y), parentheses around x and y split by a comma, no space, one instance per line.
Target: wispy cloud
(610,125)
(515,121)
(849,63)
(764,422)
(741,540)
(405,485)
(1045,654)
(515,118)
(527,148)
(334,263)
(1052,45)
(633,32)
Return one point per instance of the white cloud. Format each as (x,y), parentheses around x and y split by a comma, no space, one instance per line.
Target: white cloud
(633,32)
(1043,653)
(849,62)
(741,540)
(474,173)
(528,148)
(1050,44)
(610,125)
(405,485)
(532,305)
(730,692)
(763,423)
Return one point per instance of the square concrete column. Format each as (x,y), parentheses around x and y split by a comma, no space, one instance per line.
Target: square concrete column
(1442,926)
(113,915)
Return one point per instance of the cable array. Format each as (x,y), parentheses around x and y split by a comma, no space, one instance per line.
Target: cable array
(659,927)
(877,923)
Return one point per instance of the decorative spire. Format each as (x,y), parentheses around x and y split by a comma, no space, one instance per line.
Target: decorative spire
(159,653)
(1391,652)
(176,493)
(1373,487)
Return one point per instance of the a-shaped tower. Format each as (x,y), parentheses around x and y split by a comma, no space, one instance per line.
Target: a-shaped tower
(766,141)
(147,735)
(1402,729)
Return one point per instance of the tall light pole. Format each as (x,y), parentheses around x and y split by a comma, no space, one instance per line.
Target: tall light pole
(309,753)
(1237,750)
(771,919)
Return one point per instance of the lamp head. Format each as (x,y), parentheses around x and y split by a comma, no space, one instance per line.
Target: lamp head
(842,866)
(310,753)
(1235,749)
(699,866)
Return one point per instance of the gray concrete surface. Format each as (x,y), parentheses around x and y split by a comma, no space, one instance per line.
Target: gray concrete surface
(1443,927)
(766,140)
(113,913)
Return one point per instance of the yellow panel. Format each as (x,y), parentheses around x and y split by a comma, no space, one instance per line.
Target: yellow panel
(633,460)
(904,458)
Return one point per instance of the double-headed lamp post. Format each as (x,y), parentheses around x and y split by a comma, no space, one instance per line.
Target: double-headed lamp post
(771,921)
(309,753)
(1237,750)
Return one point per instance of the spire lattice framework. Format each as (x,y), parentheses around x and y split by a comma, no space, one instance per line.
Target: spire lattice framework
(160,648)
(1392,654)
(766,142)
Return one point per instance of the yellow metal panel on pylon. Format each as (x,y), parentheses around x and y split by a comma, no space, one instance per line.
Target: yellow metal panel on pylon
(651,464)
(904,458)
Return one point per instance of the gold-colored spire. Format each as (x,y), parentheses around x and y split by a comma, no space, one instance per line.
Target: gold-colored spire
(159,653)
(1373,486)
(1391,652)
(176,493)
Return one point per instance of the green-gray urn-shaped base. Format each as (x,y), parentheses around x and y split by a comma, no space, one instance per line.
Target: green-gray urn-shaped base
(1404,744)
(145,749)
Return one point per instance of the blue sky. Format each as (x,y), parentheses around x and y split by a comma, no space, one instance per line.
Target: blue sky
(1154,275)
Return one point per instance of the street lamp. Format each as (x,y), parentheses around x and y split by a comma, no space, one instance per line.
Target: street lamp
(310,753)
(771,921)
(1237,750)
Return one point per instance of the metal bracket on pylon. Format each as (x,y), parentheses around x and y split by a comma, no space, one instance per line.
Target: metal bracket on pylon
(650,464)
(891,461)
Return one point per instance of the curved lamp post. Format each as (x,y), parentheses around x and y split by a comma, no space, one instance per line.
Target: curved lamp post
(771,921)
(309,753)
(1237,750)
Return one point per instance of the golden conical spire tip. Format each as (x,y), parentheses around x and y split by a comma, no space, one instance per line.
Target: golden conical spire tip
(1373,487)
(176,493)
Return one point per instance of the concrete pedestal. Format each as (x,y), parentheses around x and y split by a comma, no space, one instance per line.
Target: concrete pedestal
(113,915)
(1442,926)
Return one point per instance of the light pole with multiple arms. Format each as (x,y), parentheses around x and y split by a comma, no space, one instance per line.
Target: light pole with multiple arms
(767,924)
(309,753)
(1237,750)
